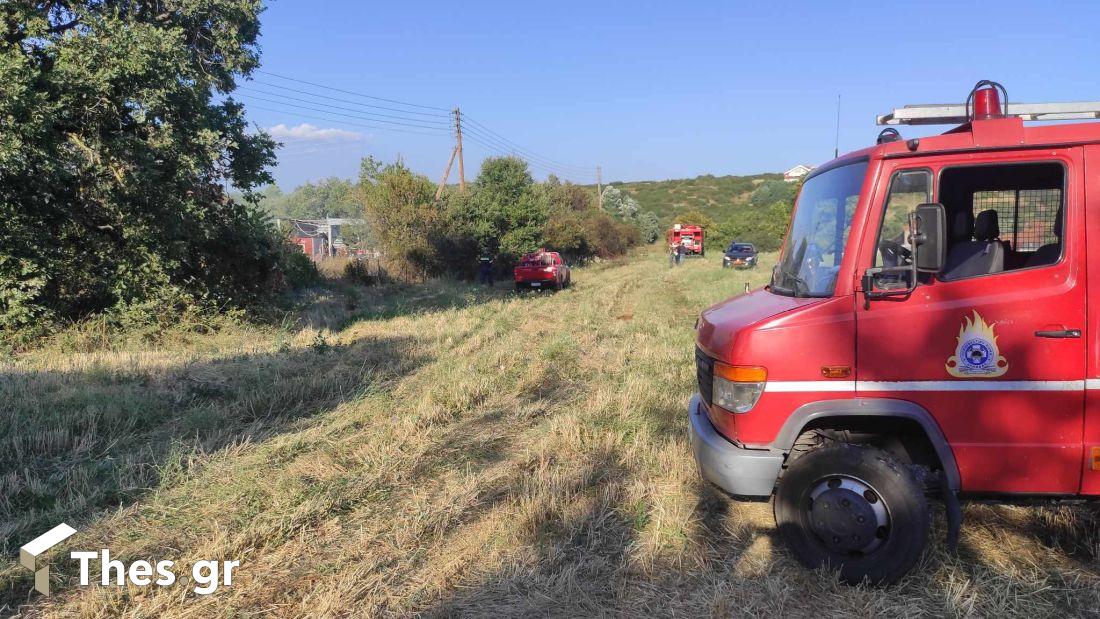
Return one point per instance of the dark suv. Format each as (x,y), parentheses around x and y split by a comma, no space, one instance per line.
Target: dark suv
(740,256)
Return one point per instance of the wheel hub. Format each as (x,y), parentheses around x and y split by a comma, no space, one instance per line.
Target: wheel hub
(848,515)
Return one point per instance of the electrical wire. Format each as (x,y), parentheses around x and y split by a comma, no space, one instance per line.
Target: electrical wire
(534,164)
(356,116)
(527,155)
(349,92)
(475,123)
(345,122)
(250,90)
(496,149)
(433,122)
(447,115)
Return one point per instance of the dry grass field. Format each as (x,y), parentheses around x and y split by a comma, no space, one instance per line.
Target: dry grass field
(444,450)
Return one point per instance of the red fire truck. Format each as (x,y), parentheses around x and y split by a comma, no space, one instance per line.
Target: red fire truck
(690,236)
(925,334)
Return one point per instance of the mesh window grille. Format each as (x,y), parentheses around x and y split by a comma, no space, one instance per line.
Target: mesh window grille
(1026,216)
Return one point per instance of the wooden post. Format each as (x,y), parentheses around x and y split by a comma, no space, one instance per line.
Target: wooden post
(458,150)
(446,173)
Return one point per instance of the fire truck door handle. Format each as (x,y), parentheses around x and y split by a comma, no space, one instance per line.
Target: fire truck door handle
(1059,333)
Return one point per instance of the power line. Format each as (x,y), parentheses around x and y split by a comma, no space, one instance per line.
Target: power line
(349,92)
(331,98)
(498,144)
(358,116)
(492,148)
(517,146)
(344,122)
(530,156)
(432,123)
(496,148)
(349,109)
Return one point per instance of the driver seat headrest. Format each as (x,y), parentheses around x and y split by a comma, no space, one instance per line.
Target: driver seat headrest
(986,227)
(962,228)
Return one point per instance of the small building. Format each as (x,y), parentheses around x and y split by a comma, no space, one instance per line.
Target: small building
(318,238)
(796,173)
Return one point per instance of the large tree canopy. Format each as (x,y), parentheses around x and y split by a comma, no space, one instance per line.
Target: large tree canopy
(117,143)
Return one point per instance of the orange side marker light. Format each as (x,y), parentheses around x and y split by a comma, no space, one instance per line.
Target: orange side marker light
(836,371)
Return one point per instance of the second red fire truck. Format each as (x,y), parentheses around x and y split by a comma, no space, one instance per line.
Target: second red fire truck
(690,237)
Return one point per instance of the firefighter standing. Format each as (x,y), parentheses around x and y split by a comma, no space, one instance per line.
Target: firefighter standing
(485,271)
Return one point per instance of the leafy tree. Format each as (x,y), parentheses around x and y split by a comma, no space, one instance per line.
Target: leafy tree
(503,214)
(612,199)
(649,227)
(399,206)
(117,138)
(628,210)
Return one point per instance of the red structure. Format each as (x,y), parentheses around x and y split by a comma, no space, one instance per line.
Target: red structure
(928,331)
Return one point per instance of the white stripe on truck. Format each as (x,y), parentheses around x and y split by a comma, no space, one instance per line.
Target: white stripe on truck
(819,386)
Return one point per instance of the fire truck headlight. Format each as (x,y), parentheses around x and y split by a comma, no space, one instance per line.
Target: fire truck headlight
(737,388)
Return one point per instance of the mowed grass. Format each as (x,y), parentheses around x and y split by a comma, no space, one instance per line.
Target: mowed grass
(445,450)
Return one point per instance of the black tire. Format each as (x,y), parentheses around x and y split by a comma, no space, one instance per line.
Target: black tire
(851,533)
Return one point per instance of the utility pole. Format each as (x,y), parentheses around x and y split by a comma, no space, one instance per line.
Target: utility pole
(458,150)
(599,189)
(446,173)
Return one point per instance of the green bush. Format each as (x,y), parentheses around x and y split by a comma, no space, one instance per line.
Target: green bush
(356,271)
(298,269)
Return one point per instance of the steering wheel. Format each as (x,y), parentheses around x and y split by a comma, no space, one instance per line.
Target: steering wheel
(894,253)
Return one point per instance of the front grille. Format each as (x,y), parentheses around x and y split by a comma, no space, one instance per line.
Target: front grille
(704,372)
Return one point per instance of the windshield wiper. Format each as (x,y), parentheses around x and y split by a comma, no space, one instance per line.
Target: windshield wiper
(799,289)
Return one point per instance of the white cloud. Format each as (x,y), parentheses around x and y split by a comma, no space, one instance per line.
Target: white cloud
(306,132)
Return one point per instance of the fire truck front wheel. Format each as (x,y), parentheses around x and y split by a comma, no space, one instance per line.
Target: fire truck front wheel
(853,508)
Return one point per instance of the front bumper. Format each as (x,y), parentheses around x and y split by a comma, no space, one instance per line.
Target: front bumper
(740,471)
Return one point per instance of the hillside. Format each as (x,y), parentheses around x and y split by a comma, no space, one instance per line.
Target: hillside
(447,450)
(719,197)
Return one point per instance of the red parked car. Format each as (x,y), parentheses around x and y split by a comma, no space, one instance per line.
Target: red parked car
(926,333)
(542,269)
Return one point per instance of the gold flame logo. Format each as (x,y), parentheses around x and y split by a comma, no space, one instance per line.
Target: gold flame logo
(976,353)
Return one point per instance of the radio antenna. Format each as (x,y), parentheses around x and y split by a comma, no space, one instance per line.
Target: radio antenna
(836,144)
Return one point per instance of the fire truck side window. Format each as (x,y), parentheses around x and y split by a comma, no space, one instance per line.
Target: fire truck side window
(908,188)
(1015,211)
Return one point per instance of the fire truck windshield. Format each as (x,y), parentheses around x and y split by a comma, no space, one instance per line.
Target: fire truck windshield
(820,223)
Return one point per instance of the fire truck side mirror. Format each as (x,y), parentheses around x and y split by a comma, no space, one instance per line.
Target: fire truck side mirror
(929,237)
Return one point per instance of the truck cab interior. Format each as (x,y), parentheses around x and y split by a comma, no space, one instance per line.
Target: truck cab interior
(1002,217)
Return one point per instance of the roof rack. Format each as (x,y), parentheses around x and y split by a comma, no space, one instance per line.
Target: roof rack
(957,113)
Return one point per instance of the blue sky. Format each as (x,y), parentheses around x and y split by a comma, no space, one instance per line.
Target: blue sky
(650,90)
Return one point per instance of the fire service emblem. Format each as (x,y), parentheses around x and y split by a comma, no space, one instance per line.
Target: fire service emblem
(976,354)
